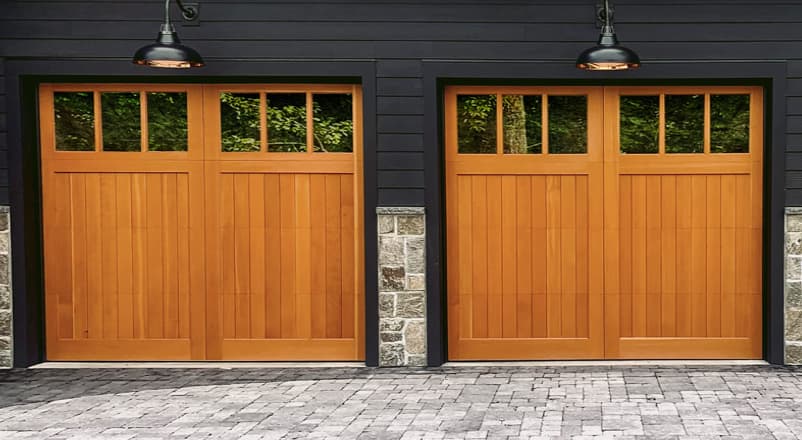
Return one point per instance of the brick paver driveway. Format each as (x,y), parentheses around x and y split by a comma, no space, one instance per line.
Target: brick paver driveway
(759,402)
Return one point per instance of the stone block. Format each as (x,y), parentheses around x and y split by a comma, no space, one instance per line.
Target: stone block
(391,251)
(391,355)
(793,222)
(386,224)
(5,323)
(793,324)
(386,305)
(793,243)
(416,255)
(793,268)
(411,225)
(793,354)
(410,305)
(416,282)
(793,293)
(391,325)
(390,337)
(415,337)
(392,279)
(5,297)
(4,242)
(416,361)
(4,221)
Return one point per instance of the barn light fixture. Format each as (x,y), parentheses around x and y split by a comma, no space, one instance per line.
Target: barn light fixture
(608,54)
(167,51)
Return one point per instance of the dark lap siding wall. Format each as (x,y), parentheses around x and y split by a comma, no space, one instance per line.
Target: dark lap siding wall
(400,35)
(3,136)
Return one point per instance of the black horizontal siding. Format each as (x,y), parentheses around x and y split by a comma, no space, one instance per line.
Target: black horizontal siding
(400,35)
(4,200)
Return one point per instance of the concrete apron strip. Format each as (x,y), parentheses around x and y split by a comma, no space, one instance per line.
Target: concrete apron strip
(211,365)
(617,363)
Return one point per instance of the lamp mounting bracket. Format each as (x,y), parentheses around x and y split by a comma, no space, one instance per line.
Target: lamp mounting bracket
(600,13)
(190,11)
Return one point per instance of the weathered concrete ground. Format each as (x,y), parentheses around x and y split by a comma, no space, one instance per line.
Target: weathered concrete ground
(758,402)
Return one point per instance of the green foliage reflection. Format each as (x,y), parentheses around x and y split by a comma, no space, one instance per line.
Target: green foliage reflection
(639,124)
(167,121)
(476,124)
(122,129)
(75,121)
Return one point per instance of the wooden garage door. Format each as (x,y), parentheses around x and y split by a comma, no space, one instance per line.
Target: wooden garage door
(202,222)
(603,222)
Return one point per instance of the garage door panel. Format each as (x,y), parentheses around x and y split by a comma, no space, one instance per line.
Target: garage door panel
(677,228)
(123,253)
(140,244)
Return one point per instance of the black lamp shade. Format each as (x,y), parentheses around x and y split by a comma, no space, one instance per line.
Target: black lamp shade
(168,52)
(608,57)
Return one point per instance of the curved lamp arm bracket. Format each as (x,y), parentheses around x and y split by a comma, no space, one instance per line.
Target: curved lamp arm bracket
(601,13)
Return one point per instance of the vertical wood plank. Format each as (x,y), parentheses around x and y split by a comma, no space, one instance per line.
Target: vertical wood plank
(303,259)
(333,280)
(582,257)
(553,257)
(523,256)
(480,264)
(728,254)
(108,264)
(568,255)
(318,250)
(713,256)
(242,251)
(273,262)
(698,256)
(508,257)
(639,239)
(227,256)
(684,244)
(668,253)
(154,316)
(170,249)
(94,256)
(625,254)
(58,247)
(80,292)
(257,257)
(139,252)
(540,264)
(184,257)
(347,257)
(287,258)
(494,258)
(653,260)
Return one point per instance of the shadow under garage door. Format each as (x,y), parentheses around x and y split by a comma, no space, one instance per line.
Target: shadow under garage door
(604,222)
(202,222)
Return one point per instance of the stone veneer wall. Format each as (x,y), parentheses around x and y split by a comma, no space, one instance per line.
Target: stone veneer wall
(5,288)
(402,287)
(793,285)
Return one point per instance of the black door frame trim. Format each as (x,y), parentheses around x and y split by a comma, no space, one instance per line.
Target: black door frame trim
(770,74)
(22,80)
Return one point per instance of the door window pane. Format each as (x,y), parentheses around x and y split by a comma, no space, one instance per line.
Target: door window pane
(568,124)
(729,123)
(333,128)
(167,121)
(75,121)
(239,122)
(523,132)
(476,124)
(639,124)
(122,130)
(685,123)
(286,122)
